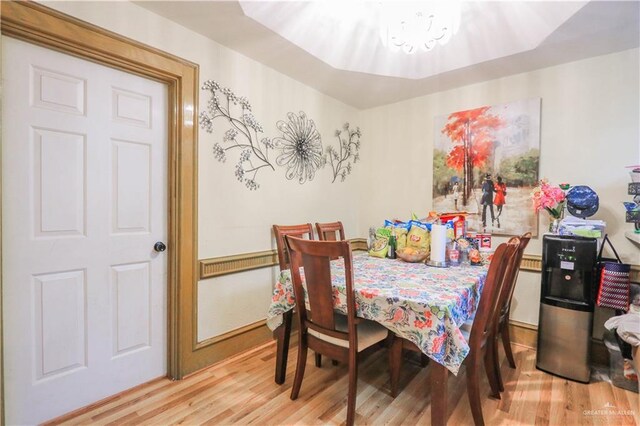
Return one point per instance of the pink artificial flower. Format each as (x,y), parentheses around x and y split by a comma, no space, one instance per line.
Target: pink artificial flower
(548,197)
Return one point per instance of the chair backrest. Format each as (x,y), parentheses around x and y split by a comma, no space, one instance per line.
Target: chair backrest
(487,314)
(327,231)
(512,275)
(280,231)
(315,257)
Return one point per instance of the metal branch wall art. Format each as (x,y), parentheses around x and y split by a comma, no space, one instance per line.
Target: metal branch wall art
(340,160)
(242,135)
(300,146)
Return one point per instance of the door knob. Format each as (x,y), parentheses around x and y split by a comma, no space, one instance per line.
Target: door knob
(159,247)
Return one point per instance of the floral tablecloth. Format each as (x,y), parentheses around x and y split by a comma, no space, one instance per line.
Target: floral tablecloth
(423,304)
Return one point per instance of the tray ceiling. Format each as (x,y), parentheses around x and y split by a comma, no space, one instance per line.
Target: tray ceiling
(335,46)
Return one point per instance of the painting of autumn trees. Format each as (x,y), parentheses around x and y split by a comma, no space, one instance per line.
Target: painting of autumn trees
(471,133)
(501,140)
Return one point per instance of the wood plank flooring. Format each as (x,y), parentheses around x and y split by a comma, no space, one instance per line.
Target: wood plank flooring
(241,390)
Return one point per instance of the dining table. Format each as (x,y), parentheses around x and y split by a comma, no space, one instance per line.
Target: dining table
(423,304)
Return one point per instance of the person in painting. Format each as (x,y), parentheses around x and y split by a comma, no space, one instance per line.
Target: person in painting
(445,189)
(488,189)
(500,189)
(455,191)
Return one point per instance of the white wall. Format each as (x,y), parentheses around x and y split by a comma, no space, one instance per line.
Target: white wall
(233,219)
(589,132)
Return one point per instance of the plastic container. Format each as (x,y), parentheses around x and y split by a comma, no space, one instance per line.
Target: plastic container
(453,254)
(486,254)
(581,227)
(616,364)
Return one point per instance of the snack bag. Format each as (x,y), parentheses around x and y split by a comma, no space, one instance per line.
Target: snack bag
(474,257)
(419,236)
(458,221)
(380,246)
(451,233)
(400,231)
(475,239)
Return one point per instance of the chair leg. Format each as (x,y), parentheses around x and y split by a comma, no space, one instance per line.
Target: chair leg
(318,360)
(496,362)
(506,342)
(424,360)
(490,361)
(302,361)
(395,364)
(473,391)
(353,382)
(283,333)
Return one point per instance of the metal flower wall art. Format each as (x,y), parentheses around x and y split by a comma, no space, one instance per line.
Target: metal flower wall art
(341,159)
(300,147)
(242,135)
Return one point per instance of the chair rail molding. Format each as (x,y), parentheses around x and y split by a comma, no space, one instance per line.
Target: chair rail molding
(531,263)
(224,265)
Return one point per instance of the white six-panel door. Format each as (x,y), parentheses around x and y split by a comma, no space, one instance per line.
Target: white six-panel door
(84,171)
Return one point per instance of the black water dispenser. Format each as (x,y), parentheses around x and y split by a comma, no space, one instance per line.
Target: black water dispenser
(567,299)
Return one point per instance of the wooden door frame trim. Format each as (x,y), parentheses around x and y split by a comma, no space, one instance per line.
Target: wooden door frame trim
(38,24)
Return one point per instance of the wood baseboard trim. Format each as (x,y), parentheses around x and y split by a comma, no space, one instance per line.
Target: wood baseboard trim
(257,334)
(231,334)
(221,347)
(523,334)
(238,356)
(80,411)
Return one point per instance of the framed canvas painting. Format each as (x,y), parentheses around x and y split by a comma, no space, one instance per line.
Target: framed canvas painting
(485,163)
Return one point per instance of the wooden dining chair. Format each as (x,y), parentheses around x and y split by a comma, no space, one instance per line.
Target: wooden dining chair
(283,334)
(502,312)
(504,309)
(327,231)
(338,337)
(481,333)
(280,231)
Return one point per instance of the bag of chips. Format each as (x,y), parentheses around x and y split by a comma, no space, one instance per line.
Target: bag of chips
(419,236)
(451,233)
(399,230)
(380,246)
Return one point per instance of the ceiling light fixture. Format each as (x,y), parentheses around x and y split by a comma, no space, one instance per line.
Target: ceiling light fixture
(410,26)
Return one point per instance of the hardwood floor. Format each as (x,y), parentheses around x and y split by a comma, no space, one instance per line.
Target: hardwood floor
(241,390)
